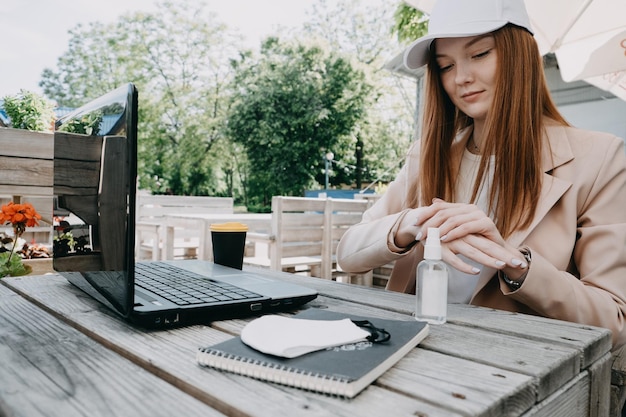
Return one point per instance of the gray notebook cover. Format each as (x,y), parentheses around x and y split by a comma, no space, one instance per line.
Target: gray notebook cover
(343,370)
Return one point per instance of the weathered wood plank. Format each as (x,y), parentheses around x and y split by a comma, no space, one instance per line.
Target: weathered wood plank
(588,342)
(165,352)
(464,386)
(51,369)
(618,381)
(156,206)
(171,354)
(551,365)
(600,394)
(25,162)
(571,399)
(25,190)
(595,340)
(26,143)
(26,171)
(74,146)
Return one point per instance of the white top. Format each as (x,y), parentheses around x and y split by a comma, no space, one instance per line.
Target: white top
(461,285)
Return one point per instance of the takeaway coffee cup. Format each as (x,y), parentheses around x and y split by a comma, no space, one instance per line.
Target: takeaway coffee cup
(229,241)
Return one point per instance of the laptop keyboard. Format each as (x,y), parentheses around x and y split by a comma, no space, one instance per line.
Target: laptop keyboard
(184,287)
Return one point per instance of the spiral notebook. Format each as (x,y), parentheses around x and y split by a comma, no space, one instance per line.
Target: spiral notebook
(343,371)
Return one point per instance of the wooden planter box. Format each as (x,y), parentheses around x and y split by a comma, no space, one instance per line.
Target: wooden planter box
(26,175)
(40,266)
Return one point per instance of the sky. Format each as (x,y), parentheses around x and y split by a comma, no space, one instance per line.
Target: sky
(35,32)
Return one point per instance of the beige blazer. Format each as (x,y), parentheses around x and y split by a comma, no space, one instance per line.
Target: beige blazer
(577,238)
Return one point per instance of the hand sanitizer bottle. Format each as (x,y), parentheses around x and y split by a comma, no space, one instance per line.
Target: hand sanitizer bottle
(432,282)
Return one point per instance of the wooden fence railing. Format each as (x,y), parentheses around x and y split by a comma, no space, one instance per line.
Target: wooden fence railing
(26,174)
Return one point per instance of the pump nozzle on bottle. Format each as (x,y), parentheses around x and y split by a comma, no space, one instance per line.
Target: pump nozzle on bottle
(432,247)
(432,282)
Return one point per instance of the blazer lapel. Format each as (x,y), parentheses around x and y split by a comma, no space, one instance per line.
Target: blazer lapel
(551,191)
(556,152)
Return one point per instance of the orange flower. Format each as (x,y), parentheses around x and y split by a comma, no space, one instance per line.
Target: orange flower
(20,216)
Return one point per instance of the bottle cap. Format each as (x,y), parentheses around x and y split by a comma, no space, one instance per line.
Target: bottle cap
(432,247)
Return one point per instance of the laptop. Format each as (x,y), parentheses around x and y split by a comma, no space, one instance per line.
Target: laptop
(95,177)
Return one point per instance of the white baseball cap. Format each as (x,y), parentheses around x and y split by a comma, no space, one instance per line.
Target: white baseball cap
(461,18)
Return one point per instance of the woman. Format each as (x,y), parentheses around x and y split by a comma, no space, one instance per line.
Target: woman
(531,211)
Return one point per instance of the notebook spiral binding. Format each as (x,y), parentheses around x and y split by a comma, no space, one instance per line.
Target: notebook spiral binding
(273,372)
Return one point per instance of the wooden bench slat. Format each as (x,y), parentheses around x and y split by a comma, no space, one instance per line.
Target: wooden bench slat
(185,240)
(308,229)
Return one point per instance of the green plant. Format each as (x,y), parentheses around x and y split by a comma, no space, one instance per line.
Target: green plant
(88,124)
(63,244)
(29,111)
(12,265)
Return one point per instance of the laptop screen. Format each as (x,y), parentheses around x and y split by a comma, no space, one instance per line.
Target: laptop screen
(95,174)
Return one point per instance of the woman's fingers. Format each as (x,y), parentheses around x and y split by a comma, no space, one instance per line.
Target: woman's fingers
(456,220)
(413,224)
(450,258)
(466,230)
(482,250)
(462,247)
(482,226)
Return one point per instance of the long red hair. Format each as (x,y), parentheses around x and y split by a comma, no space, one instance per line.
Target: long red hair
(513,134)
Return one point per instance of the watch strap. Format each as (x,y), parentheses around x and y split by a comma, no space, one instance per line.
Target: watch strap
(517,284)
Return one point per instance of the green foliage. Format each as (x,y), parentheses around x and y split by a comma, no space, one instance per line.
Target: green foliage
(12,265)
(293,104)
(30,111)
(410,23)
(178,57)
(89,124)
(267,132)
(362,31)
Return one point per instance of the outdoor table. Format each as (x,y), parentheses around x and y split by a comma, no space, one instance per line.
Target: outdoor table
(256,222)
(63,354)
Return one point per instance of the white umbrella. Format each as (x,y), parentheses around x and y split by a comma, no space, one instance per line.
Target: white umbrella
(588,38)
(615,82)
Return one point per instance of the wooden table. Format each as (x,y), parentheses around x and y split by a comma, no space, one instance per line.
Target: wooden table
(256,222)
(62,354)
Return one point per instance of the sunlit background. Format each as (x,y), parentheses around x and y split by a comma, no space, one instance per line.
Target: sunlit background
(36,31)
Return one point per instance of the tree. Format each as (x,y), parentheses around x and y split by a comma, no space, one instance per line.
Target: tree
(179,59)
(292,105)
(409,23)
(363,32)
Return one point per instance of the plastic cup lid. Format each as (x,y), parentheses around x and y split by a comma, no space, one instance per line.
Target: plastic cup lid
(229,227)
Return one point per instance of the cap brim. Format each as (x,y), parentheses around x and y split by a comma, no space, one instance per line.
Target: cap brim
(416,55)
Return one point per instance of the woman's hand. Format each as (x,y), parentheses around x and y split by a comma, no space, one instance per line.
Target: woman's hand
(410,228)
(467,230)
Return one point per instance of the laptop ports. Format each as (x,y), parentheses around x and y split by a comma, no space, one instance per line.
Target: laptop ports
(171,318)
